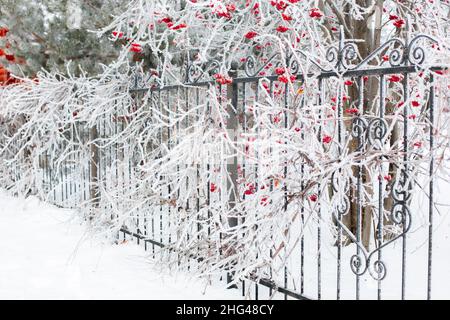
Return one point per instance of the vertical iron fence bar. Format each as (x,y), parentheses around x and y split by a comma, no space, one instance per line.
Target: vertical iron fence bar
(73,187)
(76,167)
(62,172)
(271,190)
(221,169)
(44,187)
(94,162)
(431,188)
(169,189)
(123,152)
(135,166)
(244,110)
(339,107)
(47,174)
(232,162)
(197,205)
(104,159)
(379,265)
(67,172)
(84,159)
(54,176)
(154,210)
(151,106)
(169,142)
(131,166)
(302,211)
(358,186)
(161,195)
(285,171)
(116,155)
(256,121)
(285,271)
(88,162)
(146,208)
(208,169)
(405,177)
(319,213)
(177,142)
(70,166)
(110,157)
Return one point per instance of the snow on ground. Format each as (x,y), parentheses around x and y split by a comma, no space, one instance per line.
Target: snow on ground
(45,254)
(416,270)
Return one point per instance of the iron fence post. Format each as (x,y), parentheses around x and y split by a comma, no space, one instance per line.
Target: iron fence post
(93,162)
(232,163)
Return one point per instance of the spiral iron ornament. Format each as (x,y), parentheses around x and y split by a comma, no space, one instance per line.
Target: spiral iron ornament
(196,72)
(140,80)
(344,57)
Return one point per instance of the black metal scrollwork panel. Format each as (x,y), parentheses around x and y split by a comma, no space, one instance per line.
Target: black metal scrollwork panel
(344,57)
(372,134)
(140,80)
(197,72)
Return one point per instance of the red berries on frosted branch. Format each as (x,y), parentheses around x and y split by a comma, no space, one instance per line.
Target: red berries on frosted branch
(5,75)
(417,144)
(264,201)
(348,82)
(6,78)
(117,34)
(222,79)
(250,190)
(393,17)
(327,139)
(352,111)
(10,57)
(399,23)
(136,47)
(395,78)
(250,35)
(284,76)
(286,17)
(282,29)
(280,71)
(280,5)
(286,79)
(171,25)
(3,32)
(315,13)
(179,26)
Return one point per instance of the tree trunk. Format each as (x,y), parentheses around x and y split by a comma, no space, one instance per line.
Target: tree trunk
(361,30)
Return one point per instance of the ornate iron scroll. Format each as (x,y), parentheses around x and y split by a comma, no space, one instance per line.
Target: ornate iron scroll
(343,57)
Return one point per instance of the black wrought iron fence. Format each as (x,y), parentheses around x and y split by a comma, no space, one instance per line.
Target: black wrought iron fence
(345,235)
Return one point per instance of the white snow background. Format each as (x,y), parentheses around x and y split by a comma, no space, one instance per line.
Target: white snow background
(48,253)
(45,253)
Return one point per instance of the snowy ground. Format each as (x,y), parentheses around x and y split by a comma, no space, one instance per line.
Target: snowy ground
(45,254)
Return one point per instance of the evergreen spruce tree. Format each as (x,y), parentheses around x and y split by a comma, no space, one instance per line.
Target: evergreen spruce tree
(54,34)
